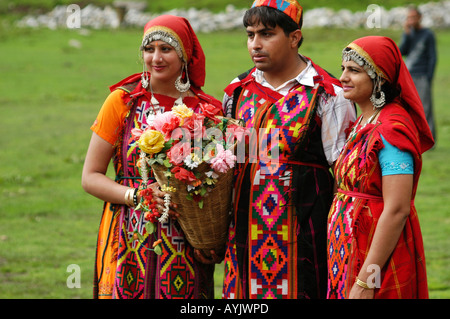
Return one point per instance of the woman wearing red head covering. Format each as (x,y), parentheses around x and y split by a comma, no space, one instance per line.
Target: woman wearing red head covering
(374,240)
(174,72)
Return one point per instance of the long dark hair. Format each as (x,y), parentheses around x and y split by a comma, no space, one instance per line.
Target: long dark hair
(390,91)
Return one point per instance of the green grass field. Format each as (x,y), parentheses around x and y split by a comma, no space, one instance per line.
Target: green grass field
(51,92)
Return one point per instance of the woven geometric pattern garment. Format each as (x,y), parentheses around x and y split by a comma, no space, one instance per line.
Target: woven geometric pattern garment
(357,208)
(271,264)
(340,220)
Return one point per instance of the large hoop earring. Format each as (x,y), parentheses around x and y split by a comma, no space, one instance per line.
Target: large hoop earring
(378,97)
(378,102)
(179,85)
(145,80)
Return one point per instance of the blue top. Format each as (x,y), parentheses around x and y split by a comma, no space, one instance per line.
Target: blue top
(419,47)
(393,161)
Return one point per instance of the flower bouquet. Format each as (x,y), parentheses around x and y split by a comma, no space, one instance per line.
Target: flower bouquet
(191,157)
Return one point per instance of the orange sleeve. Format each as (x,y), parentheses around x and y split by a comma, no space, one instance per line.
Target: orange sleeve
(110,119)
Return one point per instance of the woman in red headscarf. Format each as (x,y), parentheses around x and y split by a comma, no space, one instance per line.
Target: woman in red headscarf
(374,240)
(174,72)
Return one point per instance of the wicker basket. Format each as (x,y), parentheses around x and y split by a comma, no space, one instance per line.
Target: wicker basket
(205,228)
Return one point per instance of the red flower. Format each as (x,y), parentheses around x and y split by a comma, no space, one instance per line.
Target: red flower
(168,127)
(152,215)
(146,193)
(195,125)
(184,175)
(210,110)
(196,197)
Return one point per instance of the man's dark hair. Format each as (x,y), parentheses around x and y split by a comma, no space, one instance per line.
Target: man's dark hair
(270,17)
(415,8)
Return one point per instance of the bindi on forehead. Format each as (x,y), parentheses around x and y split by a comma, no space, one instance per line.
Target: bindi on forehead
(157,43)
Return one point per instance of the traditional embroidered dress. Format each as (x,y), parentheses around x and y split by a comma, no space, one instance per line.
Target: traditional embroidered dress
(359,203)
(125,268)
(277,240)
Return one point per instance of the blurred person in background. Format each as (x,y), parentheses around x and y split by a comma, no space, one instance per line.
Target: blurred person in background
(418,45)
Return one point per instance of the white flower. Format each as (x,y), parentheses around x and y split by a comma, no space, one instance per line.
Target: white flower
(192,161)
(165,215)
(211,174)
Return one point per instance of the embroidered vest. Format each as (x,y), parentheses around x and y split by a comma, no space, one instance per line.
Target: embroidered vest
(286,125)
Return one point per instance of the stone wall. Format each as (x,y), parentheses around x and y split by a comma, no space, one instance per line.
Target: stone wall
(133,14)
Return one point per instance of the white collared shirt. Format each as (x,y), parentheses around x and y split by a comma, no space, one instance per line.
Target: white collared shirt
(336,112)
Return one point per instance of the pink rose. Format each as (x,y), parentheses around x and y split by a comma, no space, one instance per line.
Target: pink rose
(179,152)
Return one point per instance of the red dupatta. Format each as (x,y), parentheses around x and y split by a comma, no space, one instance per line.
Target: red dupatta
(180,29)
(385,57)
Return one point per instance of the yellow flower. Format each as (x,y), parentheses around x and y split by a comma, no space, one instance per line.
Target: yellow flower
(151,141)
(182,112)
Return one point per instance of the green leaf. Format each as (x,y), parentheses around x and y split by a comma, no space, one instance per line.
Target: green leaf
(167,163)
(150,227)
(168,174)
(158,250)
(167,145)
(200,204)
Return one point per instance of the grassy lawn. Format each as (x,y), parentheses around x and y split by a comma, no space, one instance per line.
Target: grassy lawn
(50,93)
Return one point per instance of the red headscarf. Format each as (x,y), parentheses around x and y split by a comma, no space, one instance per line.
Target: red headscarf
(180,30)
(385,57)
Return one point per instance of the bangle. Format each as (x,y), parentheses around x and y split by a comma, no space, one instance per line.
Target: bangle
(135,198)
(362,284)
(129,197)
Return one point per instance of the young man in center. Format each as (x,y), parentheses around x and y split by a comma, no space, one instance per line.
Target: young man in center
(277,240)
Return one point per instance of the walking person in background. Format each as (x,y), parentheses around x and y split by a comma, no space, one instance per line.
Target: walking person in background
(174,72)
(418,44)
(277,240)
(374,240)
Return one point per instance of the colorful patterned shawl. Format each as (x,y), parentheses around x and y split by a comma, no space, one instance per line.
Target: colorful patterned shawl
(277,240)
